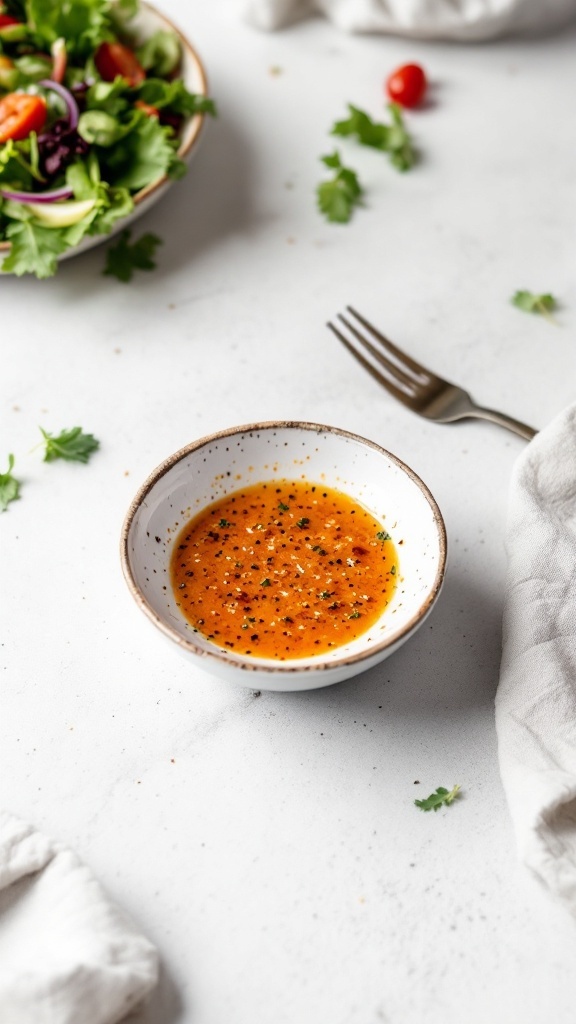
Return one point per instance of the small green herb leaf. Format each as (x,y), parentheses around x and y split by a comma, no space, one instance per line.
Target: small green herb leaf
(72,445)
(9,486)
(360,125)
(388,138)
(400,147)
(265,583)
(123,258)
(338,196)
(438,799)
(303,522)
(530,302)
(382,535)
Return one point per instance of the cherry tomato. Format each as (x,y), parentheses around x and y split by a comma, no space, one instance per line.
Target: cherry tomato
(407,85)
(114,59)
(21,114)
(6,20)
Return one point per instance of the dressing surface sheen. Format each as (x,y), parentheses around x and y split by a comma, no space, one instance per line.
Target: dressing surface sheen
(283,569)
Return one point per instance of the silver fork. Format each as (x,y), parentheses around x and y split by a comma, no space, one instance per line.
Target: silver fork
(411,383)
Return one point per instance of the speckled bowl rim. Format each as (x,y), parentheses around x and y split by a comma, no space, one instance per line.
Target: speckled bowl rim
(255,664)
(192,128)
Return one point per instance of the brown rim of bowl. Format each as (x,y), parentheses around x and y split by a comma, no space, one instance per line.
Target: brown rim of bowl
(192,129)
(261,665)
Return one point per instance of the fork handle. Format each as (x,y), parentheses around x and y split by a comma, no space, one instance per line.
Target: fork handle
(505,421)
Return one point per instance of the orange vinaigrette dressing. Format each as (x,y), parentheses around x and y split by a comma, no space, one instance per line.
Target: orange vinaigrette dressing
(283,569)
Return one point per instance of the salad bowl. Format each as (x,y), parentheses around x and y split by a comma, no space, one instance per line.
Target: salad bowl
(145,23)
(193,479)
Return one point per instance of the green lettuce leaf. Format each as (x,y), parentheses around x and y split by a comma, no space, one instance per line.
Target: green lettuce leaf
(19,163)
(160,53)
(175,97)
(112,202)
(34,249)
(32,67)
(111,97)
(83,24)
(142,156)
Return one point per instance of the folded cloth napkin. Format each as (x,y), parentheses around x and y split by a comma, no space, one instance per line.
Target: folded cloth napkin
(67,954)
(424,19)
(536,696)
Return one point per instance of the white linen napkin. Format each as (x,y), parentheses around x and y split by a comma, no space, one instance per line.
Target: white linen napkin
(536,697)
(423,19)
(67,953)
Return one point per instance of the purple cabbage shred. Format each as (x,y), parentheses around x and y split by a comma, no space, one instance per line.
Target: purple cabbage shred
(58,147)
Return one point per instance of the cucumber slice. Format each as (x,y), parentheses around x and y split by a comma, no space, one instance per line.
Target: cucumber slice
(61,215)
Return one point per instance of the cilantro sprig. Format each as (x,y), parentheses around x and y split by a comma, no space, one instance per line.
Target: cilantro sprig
(392,139)
(9,486)
(531,302)
(124,257)
(338,196)
(439,798)
(72,445)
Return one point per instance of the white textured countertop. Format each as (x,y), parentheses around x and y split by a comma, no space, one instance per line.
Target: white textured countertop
(268,844)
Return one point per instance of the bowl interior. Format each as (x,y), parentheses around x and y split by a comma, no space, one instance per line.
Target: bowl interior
(214,467)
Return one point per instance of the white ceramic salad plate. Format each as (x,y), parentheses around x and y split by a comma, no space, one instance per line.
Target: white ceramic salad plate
(147,21)
(211,468)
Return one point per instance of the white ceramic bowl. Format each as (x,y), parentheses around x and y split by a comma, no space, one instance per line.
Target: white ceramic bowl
(213,467)
(147,21)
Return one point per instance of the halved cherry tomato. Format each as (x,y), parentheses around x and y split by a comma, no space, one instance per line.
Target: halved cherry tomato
(21,114)
(113,59)
(407,85)
(147,108)
(6,20)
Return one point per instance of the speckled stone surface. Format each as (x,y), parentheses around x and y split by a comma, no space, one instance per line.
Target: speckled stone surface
(269,844)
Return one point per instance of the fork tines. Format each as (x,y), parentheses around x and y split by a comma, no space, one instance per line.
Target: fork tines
(391,367)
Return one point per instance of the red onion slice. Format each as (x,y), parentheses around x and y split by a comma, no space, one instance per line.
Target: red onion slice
(72,106)
(37,197)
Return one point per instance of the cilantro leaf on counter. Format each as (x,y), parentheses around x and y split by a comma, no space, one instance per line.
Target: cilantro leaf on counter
(366,131)
(9,486)
(73,445)
(125,257)
(530,302)
(388,138)
(338,196)
(441,797)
